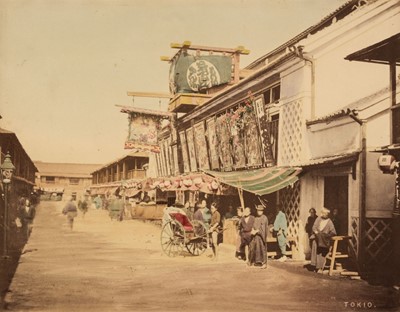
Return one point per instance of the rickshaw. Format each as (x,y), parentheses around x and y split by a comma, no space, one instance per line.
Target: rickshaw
(178,233)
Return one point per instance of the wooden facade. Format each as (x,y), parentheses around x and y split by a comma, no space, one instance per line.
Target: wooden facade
(292,121)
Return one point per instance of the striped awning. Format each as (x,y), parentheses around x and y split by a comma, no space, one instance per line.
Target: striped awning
(259,181)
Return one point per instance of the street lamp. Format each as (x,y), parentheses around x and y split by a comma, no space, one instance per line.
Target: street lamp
(7,168)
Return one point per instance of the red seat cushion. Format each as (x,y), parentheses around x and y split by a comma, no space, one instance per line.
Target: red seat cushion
(184,220)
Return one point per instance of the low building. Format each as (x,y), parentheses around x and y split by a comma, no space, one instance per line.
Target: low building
(56,180)
(21,185)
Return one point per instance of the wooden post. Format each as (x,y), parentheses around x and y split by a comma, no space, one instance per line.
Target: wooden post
(392,74)
(240,191)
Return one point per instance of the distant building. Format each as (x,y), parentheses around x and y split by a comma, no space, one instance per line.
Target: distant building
(126,172)
(56,180)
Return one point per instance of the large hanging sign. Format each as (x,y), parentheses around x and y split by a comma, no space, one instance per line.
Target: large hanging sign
(191,74)
(144,125)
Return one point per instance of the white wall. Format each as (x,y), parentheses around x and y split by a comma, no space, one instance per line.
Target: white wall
(338,81)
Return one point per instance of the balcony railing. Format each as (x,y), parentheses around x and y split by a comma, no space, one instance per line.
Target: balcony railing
(136,174)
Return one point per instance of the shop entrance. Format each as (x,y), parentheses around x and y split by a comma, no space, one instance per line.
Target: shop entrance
(336,196)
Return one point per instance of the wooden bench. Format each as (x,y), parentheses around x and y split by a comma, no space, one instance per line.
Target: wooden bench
(273,240)
(334,254)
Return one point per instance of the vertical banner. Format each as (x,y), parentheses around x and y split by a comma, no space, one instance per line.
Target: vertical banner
(191,148)
(252,141)
(159,174)
(238,142)
(163,160)
(201,146)
(167,159)
(175,157)
(212,143)
(170,156)
(185,154)
(262,122)
(224,146)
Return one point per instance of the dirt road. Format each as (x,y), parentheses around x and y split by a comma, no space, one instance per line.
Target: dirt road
(106,265)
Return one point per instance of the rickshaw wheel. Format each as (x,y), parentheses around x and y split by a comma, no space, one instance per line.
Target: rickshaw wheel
(172,238)
(198,245)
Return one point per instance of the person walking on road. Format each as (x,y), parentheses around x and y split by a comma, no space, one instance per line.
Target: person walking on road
(280,228)
(28,214)
(70,211)
(215,227)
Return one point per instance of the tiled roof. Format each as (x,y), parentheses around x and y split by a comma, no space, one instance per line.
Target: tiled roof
(333,159)
(65,169)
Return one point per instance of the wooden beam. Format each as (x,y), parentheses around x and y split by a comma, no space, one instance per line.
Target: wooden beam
(187,45)
(165,58)
(150,94)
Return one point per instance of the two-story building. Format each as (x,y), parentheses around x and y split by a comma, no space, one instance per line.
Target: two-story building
(293,129)
(57,181)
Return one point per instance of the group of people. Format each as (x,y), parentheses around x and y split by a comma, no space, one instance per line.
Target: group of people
(252,234)
(320,230)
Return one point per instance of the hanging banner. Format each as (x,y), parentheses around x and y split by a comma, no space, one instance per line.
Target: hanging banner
(264,129)
(200,141)
(185,154)
(252,141)
(191,74)
(213,143)
(224,146)
(175,157)
(192,151)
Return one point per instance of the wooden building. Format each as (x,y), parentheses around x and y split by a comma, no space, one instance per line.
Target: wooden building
(296,130)
(22,182)
(58,181)
(126,173)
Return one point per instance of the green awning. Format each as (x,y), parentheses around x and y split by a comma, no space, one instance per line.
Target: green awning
(259,181)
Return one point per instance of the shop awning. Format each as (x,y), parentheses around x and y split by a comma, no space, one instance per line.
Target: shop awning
(259,181)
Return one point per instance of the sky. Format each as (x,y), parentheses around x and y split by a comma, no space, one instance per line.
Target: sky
(65,64)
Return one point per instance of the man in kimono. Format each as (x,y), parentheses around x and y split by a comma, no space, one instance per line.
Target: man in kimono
(246,226)
(258,245)
(280,228)
(323,230)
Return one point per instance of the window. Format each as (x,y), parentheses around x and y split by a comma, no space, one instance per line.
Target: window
(50,179)
(74,181)
(272,94)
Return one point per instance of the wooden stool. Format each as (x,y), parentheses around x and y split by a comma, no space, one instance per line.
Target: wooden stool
(333,254)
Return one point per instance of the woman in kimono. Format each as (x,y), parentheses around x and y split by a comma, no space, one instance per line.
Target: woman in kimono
(258,245)
(323,230)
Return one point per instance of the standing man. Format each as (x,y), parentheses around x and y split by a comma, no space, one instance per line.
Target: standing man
(70,211)
(28,215)
(246,226)
(258,245)
(280,228)
(215,227)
